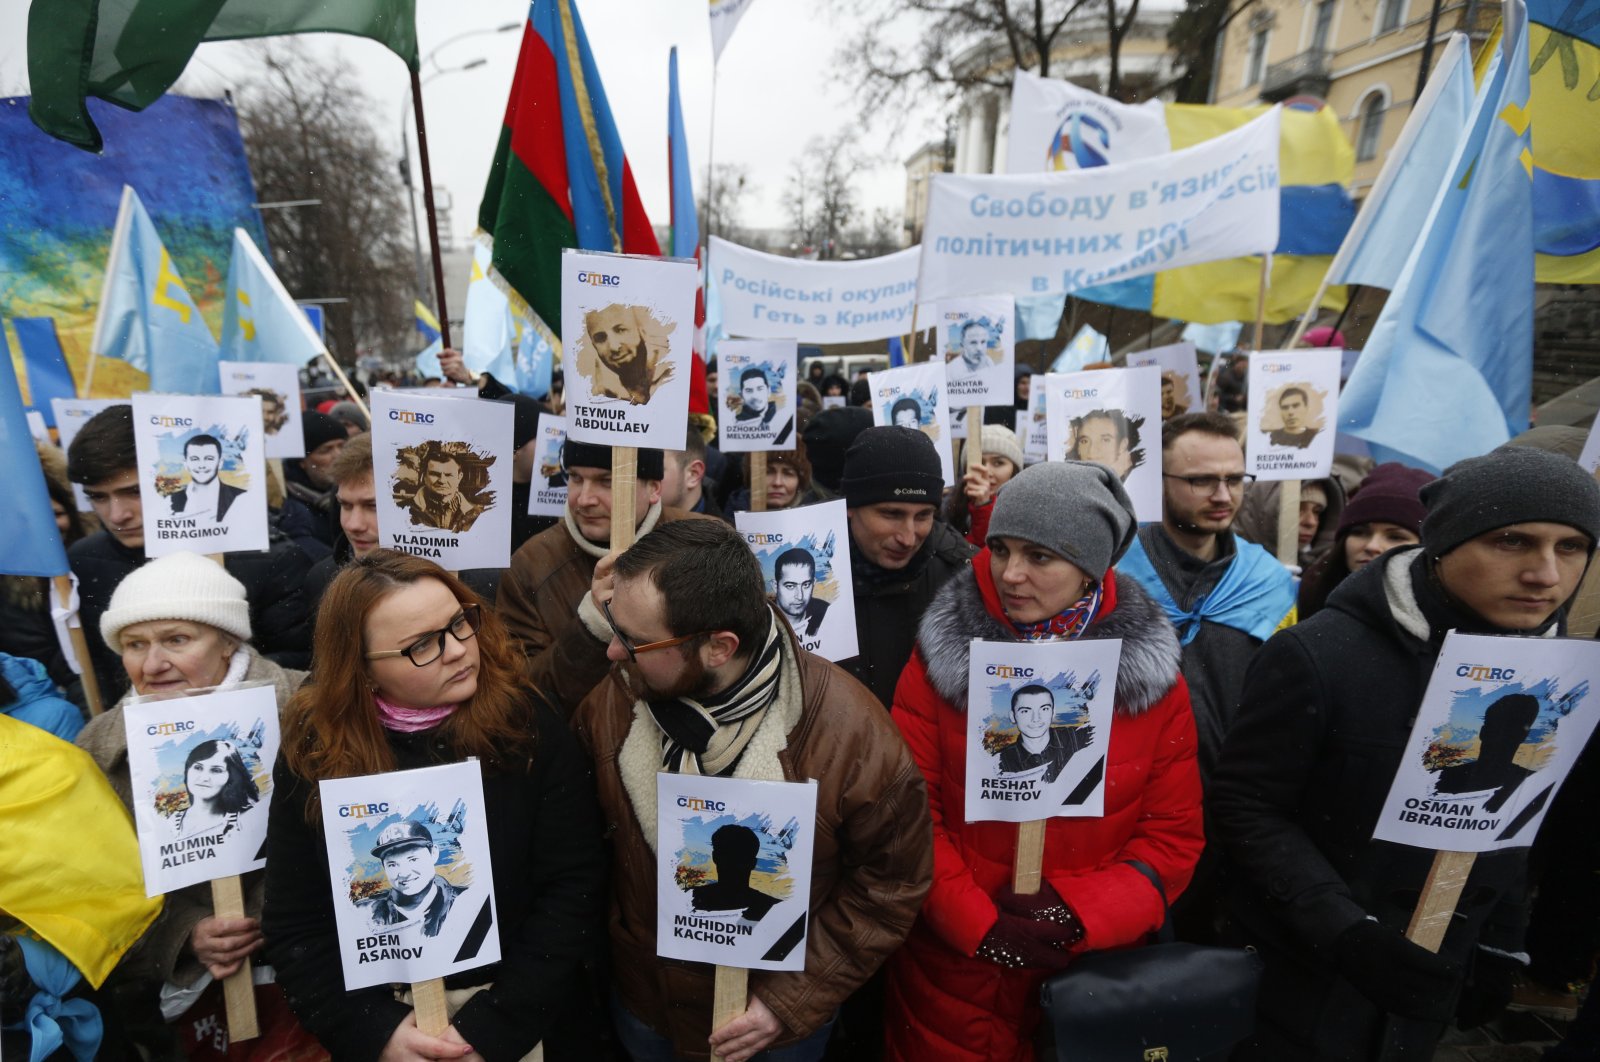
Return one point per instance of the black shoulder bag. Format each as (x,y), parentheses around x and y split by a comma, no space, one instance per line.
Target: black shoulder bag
(1163,1002)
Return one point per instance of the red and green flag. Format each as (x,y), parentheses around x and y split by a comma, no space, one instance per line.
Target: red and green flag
(129,52)
(560,177)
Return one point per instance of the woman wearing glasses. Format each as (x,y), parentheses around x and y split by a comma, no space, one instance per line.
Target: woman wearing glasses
(411,670)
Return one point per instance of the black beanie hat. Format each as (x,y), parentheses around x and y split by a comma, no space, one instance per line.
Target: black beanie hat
(828,435)
(892,464)
(1508,485)
(593,455)
(318,429)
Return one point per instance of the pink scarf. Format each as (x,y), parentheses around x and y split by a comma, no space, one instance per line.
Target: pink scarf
(410,720)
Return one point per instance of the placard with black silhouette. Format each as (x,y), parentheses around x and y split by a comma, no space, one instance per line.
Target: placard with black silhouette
(978,340)
(443,470)
(733,880)
(913,396)
(805,559)
(627,325)
(1111,416)
(1294,412)
(1180,377)
(200,768)
(757,377)
(413,888)
(71,415)
(1038,726)
(1500,725)
(548,493)
(202,473)
(278,387)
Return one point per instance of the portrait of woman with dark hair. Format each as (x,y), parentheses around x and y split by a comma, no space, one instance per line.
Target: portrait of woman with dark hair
(220,787)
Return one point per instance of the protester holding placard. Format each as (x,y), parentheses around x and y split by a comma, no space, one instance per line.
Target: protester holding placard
(413,670)
(182,623)
(966,985)
(900,556)
(1323,726)
(102,459)
(969,508)
(1385,513)
(1322,504)
(710,680)
(309,514)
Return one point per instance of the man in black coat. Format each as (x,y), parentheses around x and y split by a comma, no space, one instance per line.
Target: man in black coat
(900,554)
(1323,725)
(101,458)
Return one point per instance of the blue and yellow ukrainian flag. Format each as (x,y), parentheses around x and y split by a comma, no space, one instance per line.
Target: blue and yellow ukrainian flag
(426,322)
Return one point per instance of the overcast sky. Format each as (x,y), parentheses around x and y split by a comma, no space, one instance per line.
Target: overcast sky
(777,88)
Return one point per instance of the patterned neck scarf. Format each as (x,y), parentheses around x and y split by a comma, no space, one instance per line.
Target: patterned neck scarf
(1067,624)
(707,736)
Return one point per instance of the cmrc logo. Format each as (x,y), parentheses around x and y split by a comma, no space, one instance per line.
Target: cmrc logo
(1485,673)
(172,422)
(363,811)
(599,280)
(1276,366)
(888,392)
(406,417)
(158,729)
(1007,671)
(1081,392)
(697,804)
(756,539)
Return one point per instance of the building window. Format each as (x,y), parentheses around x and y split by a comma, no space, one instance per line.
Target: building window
(1390,14)
(1370,134)
(1256,65)
(1324,25)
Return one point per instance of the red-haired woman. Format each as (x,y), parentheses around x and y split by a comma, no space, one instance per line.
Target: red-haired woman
(412,670)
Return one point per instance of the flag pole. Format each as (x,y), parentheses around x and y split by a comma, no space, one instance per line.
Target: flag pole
(433,216)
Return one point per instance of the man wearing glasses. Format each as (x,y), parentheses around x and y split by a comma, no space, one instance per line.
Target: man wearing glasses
(709,679)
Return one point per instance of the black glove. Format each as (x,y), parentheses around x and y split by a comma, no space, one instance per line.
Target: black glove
(1046,905)
(1017,942)
(16,987)
(1397,975)
(1488,988)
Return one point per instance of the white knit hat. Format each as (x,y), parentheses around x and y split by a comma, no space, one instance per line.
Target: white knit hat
(999,439)
(179,586)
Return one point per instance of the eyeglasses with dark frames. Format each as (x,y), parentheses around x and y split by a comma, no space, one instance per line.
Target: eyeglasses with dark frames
(430,647)
(1206,486)
(632,650)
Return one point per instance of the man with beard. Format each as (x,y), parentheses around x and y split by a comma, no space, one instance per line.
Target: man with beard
(974,352)
(619,361)
(708,679)
(205,495)
(756,404)
(1293,409)
(794,578)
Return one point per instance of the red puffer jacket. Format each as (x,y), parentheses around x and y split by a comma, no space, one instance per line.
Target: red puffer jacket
(945,1003)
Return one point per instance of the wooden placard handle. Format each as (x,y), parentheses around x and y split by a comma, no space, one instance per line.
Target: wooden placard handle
(427,999)
(624,514)
(1289,521)
(1437,905)
(758,481)
(1025,876)
(974,437)
(238,988)
(730,997)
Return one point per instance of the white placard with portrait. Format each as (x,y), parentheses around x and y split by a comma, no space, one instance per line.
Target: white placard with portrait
(412,884)
(71,415)
(733,877)
(1038,727)
(200,769)
(758,394)
(913,396)
(627,324)
(1500,725)
(547,493)
(1294,410)
(977,338)
(805,561)
(442,469)
(202,473)
(1180,377)
(278,386)
(1112,416)
(1033,426)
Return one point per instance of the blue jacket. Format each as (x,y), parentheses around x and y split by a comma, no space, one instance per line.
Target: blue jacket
(38,701)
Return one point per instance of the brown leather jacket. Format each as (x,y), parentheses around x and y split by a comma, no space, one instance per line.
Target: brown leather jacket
(873,861)
(539,599)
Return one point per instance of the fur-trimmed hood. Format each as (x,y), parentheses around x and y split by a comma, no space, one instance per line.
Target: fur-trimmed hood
(1150,650)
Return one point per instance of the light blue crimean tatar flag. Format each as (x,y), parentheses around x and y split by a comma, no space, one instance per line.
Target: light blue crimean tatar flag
(1391,218)
(27,523)
(260,320)
(147,317)
(1448,370)
(488,334)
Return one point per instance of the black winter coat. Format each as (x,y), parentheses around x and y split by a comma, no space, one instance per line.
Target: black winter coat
(549,885)
(273,578)
(1322,727)
(889,606)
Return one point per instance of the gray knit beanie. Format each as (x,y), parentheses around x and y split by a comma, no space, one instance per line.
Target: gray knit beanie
(1077,509)
(1508,485)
